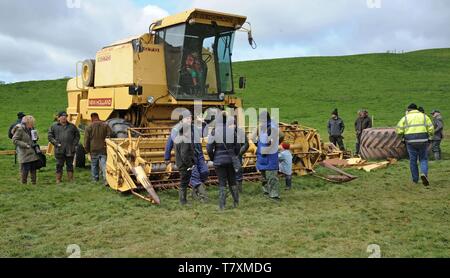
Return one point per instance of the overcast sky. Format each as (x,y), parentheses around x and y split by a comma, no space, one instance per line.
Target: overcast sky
(44,39)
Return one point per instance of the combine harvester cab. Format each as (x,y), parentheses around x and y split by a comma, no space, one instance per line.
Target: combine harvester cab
(136,84)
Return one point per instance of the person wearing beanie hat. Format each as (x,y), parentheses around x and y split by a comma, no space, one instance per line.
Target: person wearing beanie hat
(223,150)
(438,124)
(416,128)
(65,137)
(198,174)
(12,129)
(336,128)
(20,115)
(412,106)
(285,159)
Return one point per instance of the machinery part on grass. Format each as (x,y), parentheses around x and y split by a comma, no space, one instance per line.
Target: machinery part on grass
(334,178)
(382,143)
(119,127)
(343,177)
(87,72)
(80,157)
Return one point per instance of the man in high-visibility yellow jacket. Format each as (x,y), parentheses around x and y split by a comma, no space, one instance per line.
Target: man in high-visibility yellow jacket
(417,129)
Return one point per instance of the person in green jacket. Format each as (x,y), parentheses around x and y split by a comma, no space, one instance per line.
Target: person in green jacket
(65,137)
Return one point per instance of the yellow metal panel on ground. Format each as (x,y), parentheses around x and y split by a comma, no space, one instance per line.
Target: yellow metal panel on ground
(114,66)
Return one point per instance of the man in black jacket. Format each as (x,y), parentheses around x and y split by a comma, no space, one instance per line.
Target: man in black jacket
(185,159)
(20,116)
(362,122)
(336,129)
(222,149)
(65,137)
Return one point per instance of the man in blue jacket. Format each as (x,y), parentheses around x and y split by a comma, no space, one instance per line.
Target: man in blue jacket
(267,155)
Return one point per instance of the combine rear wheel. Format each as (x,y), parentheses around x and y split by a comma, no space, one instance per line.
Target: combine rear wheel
(382,143)
(119,127)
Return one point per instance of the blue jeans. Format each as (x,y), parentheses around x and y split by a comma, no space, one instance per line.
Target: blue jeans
(98,162)
(418,152)
(200,173)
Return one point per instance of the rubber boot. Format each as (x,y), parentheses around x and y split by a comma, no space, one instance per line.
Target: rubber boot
(239,186)
(288,183)
(202,193)
(437,156)
(195,193)
(222,198)
(33,177)
(70,176)
(58,178)
(235,195)
(24,177)
(183,195)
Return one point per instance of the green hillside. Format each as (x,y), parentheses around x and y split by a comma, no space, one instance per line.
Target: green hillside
(315,219)
(308,89)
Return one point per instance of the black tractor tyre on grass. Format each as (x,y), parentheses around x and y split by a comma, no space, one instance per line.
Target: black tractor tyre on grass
(382,143)
(119,127)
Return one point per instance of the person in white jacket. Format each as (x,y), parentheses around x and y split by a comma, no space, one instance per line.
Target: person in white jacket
(285,160)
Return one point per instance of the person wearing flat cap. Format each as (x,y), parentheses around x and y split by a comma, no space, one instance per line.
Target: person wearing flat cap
(64,136)
(438,124)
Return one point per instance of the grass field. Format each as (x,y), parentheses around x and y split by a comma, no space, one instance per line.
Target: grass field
(316,219)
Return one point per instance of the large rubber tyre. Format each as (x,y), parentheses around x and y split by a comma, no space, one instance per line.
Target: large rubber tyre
(382,143)
(87,73)
(80,157)
(119,127)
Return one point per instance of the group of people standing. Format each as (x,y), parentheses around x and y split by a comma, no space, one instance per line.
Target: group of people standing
(65,138)
(336,128)
(227,144)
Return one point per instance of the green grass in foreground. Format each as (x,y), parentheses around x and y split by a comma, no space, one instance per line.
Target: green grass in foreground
(316,219)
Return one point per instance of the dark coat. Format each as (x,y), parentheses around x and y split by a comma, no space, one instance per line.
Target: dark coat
(336,127)
(195,134)
(22,139)
(362,124)
(94,137)
(66,135)
(242,141)
(184,155)
(438,124)
(220,150)
(11,128)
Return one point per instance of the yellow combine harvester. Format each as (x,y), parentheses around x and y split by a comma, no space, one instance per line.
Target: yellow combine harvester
(135,84)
